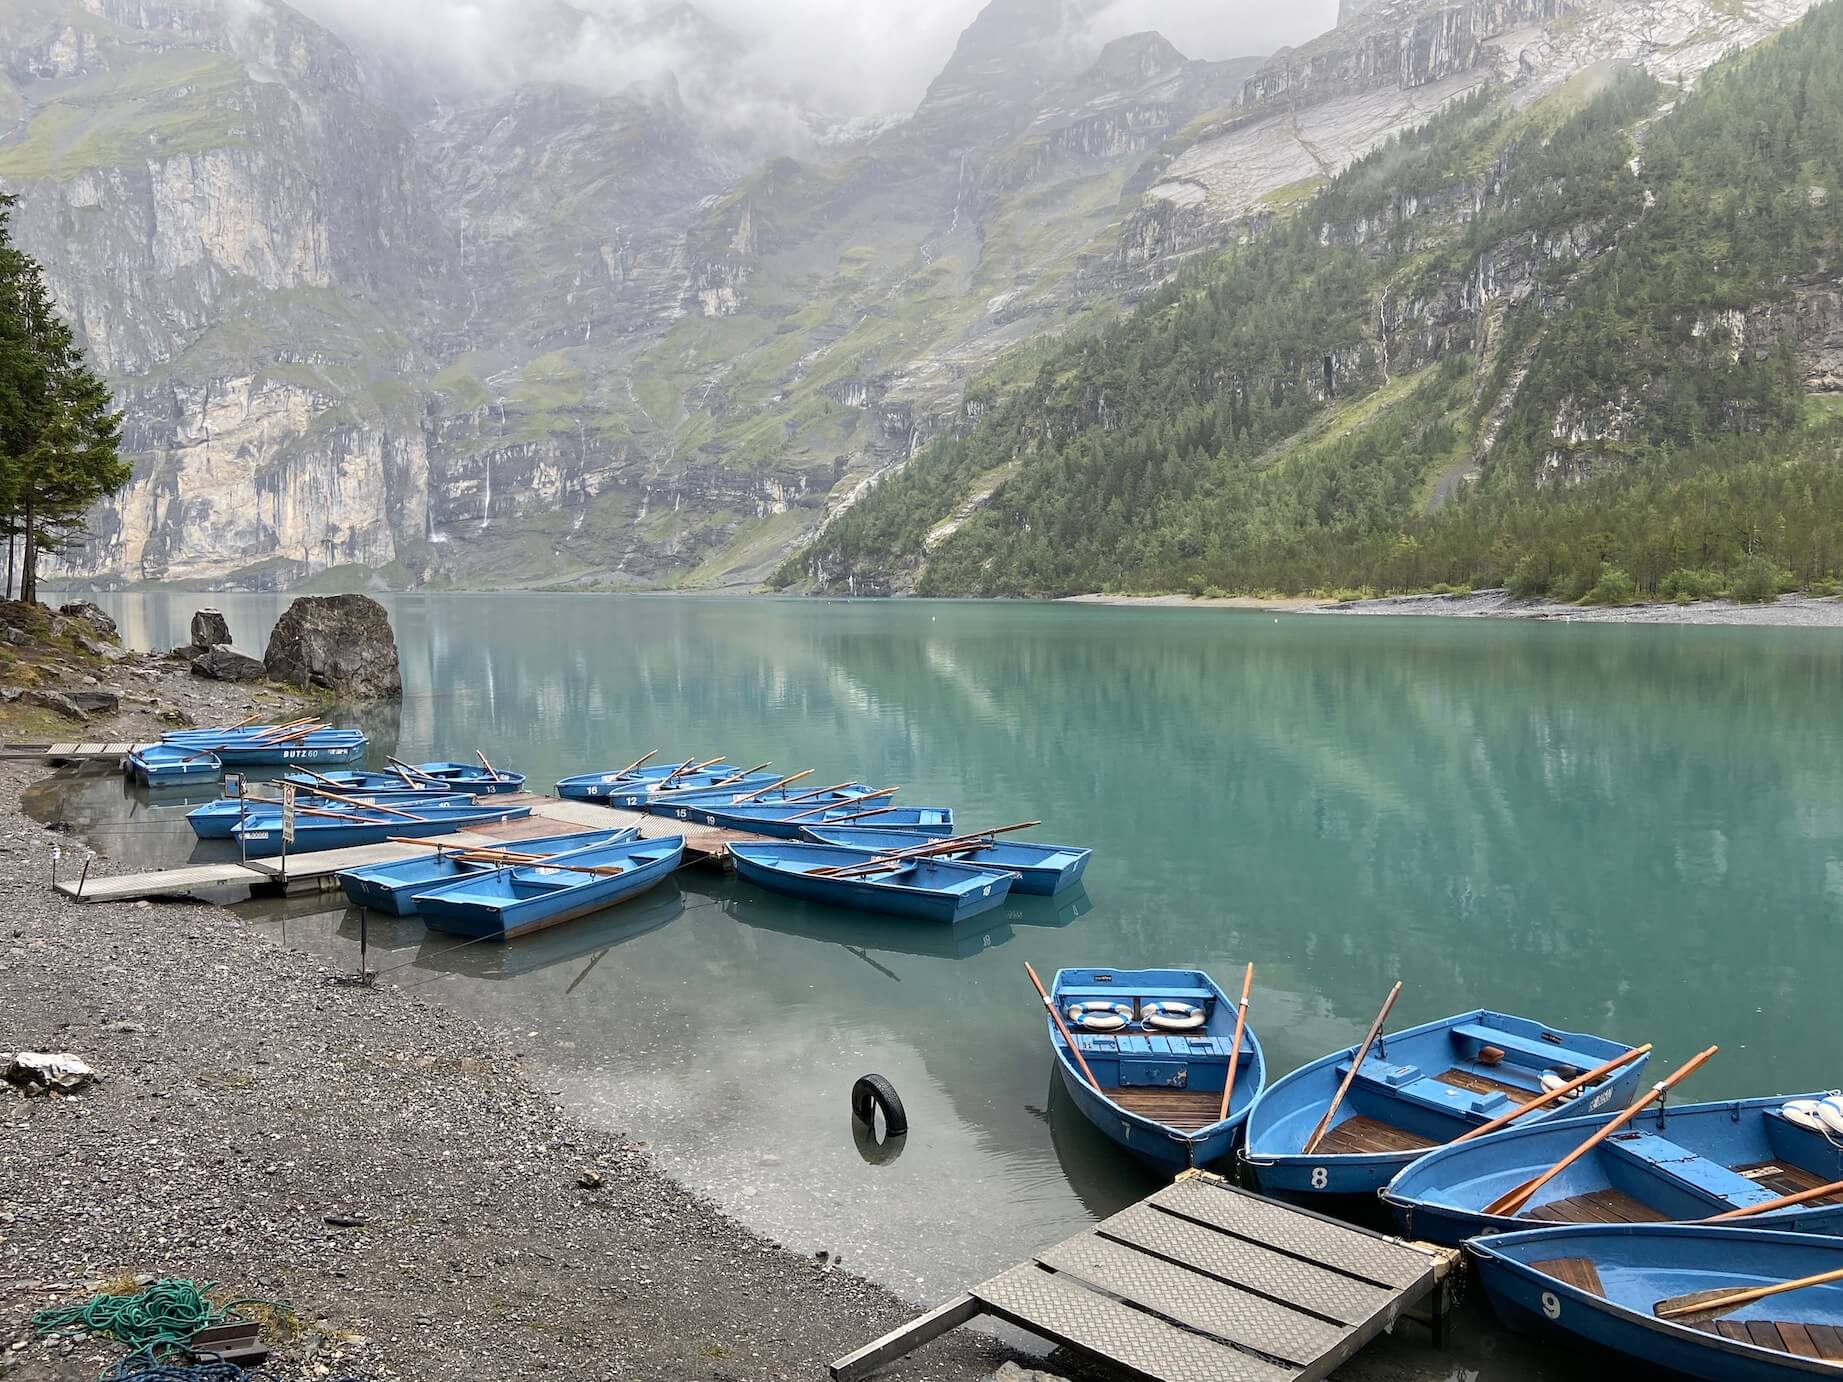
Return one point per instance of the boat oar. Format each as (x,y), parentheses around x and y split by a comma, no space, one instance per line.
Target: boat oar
(1375,1030)
(1579,1082)
(1056,1017)
(373,806)
(784,782)
(959,844)
(491,771)
(405,771)
(320,777)
(1816,1192)
(692,766)
(636,763)
(734,778)
(816,792)
(1511,1203)
(1241,1021)
(1726,1298)
(335,815)
(848,801)
(863,815)
(246,720)
(287,732)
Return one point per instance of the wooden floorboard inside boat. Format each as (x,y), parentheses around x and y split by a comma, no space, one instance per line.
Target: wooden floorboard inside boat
(1782,1178)
(1362,1136)
(1183,1109)
(1484,1084)
(1578,1272)
(1601,1207)
(1815,1341)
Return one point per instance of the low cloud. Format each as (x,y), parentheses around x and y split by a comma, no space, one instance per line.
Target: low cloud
(851,57)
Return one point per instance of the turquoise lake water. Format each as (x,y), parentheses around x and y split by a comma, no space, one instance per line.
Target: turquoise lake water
(1630,830)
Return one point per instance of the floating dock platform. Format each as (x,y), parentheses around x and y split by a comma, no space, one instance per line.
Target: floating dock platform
(86,751)
(317,870)
(1201,1282)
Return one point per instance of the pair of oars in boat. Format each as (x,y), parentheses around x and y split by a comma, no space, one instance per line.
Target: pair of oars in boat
(506,858)
(1241,1023)
(934,849)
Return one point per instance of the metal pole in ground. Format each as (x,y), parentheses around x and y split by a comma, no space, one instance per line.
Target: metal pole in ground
(364,945)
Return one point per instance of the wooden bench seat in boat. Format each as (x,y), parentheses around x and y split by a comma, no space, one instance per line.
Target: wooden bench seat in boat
(1535,1052)
(1441,1092)
(1722,1184)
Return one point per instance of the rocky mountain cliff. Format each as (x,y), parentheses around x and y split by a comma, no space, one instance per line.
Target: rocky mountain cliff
(554,336)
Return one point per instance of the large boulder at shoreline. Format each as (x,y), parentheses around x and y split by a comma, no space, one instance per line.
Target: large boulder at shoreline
(341,643)
(225,663)
(90,613)
(210,629)
(44,698)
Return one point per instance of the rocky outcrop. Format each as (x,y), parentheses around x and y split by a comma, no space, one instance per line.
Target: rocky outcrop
(338,643)
(210,629)
(91,616)
(225,663)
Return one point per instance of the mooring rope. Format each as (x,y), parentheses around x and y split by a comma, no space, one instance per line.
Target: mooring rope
(164,1317)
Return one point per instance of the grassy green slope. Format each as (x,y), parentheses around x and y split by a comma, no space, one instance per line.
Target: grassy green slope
(1630,439)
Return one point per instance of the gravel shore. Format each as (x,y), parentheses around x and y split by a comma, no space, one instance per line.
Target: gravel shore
(386,1165)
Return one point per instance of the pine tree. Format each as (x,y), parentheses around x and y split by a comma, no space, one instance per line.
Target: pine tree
(60,436)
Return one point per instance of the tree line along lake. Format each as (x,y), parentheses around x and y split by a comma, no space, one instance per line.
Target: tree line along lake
(1629,830)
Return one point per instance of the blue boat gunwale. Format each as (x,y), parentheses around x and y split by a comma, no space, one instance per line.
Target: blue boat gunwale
(1398,1193)
(1499,1250)
(1252,1070)
(1447,1024)
(749,848)
(590,894)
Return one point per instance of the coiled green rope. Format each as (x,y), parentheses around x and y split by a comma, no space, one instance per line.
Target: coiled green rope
(168,1313)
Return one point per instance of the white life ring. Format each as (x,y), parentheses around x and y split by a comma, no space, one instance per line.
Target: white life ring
(1804,1113)
(1170,1015)
(1099,1017)
(1830,1110)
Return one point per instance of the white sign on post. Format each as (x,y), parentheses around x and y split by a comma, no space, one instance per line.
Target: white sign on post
(288,812)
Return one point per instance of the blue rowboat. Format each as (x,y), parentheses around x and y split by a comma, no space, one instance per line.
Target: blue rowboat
(1690,1161)
(1602,1284)
(1041,870)
(362,825)
(925,889)
(1417,1089)
(512,902)
(391,888)
(471,776)
(1160,1069)
(423,777)
(217,820)
(330,746)
(641,781)
(789,821)
(165,765)
(670,803)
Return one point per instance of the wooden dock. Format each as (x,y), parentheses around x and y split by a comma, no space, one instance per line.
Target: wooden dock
(1201,1282)
(75,751)
(319,869)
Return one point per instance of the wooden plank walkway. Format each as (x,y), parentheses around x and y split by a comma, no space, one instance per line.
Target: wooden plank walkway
(74,751)
(318,869)
(1201,1282)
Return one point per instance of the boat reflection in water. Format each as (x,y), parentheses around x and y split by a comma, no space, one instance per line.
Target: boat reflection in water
(659,906)
(1103,1175)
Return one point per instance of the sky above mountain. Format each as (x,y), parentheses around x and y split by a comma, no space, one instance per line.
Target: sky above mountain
(851,57)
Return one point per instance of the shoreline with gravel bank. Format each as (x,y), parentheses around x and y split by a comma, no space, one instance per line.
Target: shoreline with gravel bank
(387,1165)
(1788,611)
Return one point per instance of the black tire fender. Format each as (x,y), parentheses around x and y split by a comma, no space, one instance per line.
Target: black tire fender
(873,1092)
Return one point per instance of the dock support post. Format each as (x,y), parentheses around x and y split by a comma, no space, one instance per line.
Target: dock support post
(364,945)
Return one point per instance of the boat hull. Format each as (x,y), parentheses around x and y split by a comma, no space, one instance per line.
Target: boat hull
(932,821)
(159,766)
(262,836)
(392,888)
(1532,1300)
(1683,1163)
(1038,870)
(1168,1061)
(466,909)
(972,891)
(1421,1088)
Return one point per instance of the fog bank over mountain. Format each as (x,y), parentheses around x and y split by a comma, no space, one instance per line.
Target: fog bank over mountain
(849,57)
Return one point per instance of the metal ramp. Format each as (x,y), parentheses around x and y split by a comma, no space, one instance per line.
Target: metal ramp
(1201,1282)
